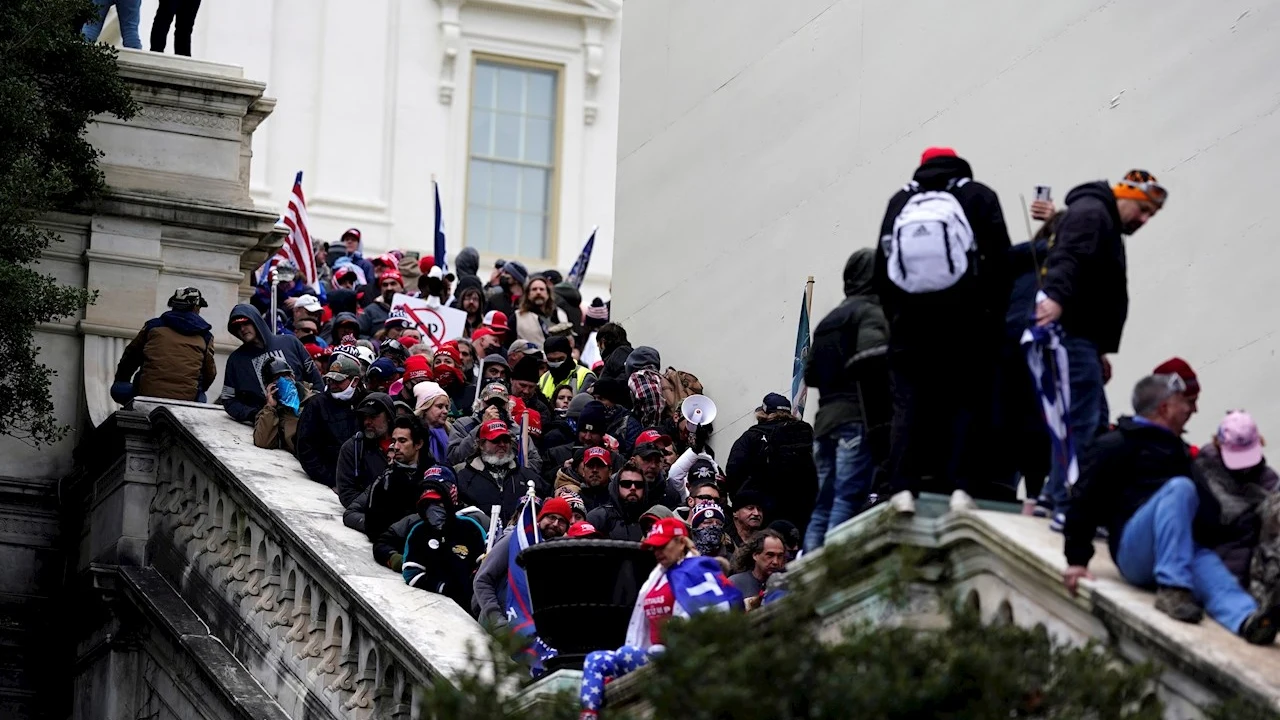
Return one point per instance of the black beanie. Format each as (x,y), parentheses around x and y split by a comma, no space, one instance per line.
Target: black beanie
(527,369)
(557,343)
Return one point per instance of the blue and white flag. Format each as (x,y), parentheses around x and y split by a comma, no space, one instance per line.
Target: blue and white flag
(699,583)
(579,269)
(519,607)
(1047,359)
(800,391)
(439,235)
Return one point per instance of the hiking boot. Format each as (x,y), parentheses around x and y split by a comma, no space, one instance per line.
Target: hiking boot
(903,503)
(961,502)
(1260,627)
(1179,604)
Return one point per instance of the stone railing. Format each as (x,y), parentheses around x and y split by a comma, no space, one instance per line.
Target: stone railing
(260,553)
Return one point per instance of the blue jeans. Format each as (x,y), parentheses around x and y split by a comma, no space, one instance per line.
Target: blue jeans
(845,472)
(127,12)
(1084,374)
(1156,548)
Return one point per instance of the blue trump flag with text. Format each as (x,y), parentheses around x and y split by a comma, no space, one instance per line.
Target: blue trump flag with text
(800,391)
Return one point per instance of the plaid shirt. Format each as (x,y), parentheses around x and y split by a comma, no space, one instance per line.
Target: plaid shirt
(646,391)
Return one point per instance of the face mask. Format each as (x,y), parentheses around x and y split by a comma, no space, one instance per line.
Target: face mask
(344,394)
(555,365)
(708,539)
(436,515)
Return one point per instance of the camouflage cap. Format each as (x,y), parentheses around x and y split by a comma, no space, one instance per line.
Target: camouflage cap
(188,296)
(343,367)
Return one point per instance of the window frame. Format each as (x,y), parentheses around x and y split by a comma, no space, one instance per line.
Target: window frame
(557,148)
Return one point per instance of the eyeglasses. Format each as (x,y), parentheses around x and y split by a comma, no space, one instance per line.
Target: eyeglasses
(1154,191)
(630,484)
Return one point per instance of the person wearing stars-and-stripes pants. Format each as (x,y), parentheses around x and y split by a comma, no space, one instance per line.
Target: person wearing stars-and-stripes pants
(604,665)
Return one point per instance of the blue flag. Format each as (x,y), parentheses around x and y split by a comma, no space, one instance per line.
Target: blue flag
(439,235)
(579,269)
(1047,360)
(519,607)
(699,584)
(800,391)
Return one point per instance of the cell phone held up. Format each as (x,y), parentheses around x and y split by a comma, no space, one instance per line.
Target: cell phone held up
(1044,193)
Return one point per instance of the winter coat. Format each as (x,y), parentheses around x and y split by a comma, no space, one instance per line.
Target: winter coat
(615,363)
(373,317)
(462,447)
(172,356)
(624,427)
(848,353)
(342,319)
(569,299)
(533,326)
(489,603)
(276,426)
(360,461)
(775,459)
(1119,472)
(323,426)
(1085,270)
(485,486)
(1240,495)
(975,305)
(619,520)
(443,561)
(243,393)
(386,500)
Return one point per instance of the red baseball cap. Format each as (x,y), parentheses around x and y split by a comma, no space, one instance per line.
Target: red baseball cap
(535,424)
(597,453)
(497,320)
(353,232)
(664,531)
(483,331)
(494,429)
(387,259)
(580,529)
(1181,368)
(393,274)
(651,437)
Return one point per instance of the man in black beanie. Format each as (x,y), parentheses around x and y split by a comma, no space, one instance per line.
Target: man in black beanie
(524,384)
(562,369)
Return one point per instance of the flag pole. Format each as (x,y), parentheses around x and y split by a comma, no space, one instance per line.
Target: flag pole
(808,298)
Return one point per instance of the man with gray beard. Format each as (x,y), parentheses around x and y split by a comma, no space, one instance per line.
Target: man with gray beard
(493,477)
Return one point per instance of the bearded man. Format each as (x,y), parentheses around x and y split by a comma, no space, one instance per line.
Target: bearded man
(493,477)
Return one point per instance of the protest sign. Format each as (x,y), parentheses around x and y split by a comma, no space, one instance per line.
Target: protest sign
(438,323)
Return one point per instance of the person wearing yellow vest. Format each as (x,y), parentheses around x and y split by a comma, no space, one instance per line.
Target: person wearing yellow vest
(562,370)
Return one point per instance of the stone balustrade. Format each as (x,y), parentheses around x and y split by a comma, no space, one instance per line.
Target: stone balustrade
(261,554)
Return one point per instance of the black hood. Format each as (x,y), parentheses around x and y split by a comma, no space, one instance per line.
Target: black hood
(1099,191)
(244,310)
(567,295)
(467,262)
(342,300)
(859,272)
(630,511)
(937,172)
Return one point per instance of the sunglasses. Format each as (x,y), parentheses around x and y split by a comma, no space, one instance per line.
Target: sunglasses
(1154,191)
(630,484)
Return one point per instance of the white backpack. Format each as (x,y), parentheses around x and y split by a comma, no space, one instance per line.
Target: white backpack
(932,241)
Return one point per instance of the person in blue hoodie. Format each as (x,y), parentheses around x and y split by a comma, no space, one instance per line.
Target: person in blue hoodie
(243,393)
(171,356)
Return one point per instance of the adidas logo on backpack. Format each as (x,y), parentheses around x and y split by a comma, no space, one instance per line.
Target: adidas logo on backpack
(932,243)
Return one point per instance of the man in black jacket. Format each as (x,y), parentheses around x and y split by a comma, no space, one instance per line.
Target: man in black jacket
(1136,482)
(611,340)
(493,477)
(619,519)
(1086,291)
(328,420)
(774,457)
(364,456)
(943,343)
(441,550)
(847,365)
(396,493)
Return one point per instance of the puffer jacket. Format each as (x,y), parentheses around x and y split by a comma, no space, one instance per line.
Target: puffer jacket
(243,393)
(1240,495)
(173,357)
(619,520)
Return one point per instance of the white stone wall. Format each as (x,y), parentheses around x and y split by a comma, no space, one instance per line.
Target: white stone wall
(370,108)
(760,141)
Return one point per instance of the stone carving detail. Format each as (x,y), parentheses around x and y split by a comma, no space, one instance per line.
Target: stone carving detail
(142,464)
(450,40)
(593,66)
(330,648)
(212,121)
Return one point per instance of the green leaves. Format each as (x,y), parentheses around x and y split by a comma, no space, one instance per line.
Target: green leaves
(54,83)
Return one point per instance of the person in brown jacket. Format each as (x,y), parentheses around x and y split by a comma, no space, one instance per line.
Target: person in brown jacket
(172,356)
(276,424)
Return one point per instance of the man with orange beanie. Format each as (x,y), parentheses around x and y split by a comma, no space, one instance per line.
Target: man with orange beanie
(1085,290)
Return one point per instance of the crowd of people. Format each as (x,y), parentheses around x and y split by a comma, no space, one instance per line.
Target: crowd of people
(423,443)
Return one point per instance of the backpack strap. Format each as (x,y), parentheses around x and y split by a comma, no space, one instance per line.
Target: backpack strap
(956,183)
(911,187)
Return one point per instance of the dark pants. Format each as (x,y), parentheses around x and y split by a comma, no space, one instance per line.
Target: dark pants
(1020,425)
(942,417)
(1086,414)
(185,12)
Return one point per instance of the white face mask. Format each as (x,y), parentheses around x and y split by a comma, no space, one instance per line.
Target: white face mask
(555,364)
(347,394)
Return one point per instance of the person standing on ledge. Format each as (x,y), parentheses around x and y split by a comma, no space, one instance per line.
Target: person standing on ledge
(172,355)
(185,12)
(128,13)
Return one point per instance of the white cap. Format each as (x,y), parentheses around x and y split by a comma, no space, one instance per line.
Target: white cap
(309,303)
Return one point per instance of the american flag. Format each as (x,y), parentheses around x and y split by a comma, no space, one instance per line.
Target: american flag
(297,246)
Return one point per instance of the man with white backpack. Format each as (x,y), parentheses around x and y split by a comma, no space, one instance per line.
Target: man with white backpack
(941,275)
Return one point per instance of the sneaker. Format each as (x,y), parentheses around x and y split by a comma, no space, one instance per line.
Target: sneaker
(1178,604)
(1058,522)
(1044,508)
(903,503)
(1260,627)
(962,502)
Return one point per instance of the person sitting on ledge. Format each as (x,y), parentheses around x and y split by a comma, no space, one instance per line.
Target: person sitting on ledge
(1136,480)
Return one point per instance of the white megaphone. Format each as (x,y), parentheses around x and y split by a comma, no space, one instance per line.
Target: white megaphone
(698,410)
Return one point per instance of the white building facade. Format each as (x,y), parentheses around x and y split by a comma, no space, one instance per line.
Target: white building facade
(511,105)
(760,146)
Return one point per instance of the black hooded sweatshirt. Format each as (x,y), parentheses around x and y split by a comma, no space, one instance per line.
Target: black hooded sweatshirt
(243,393)
(1085,270)
(441,560)
(386,500)
(848,352)
(619,520)
(974,308)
